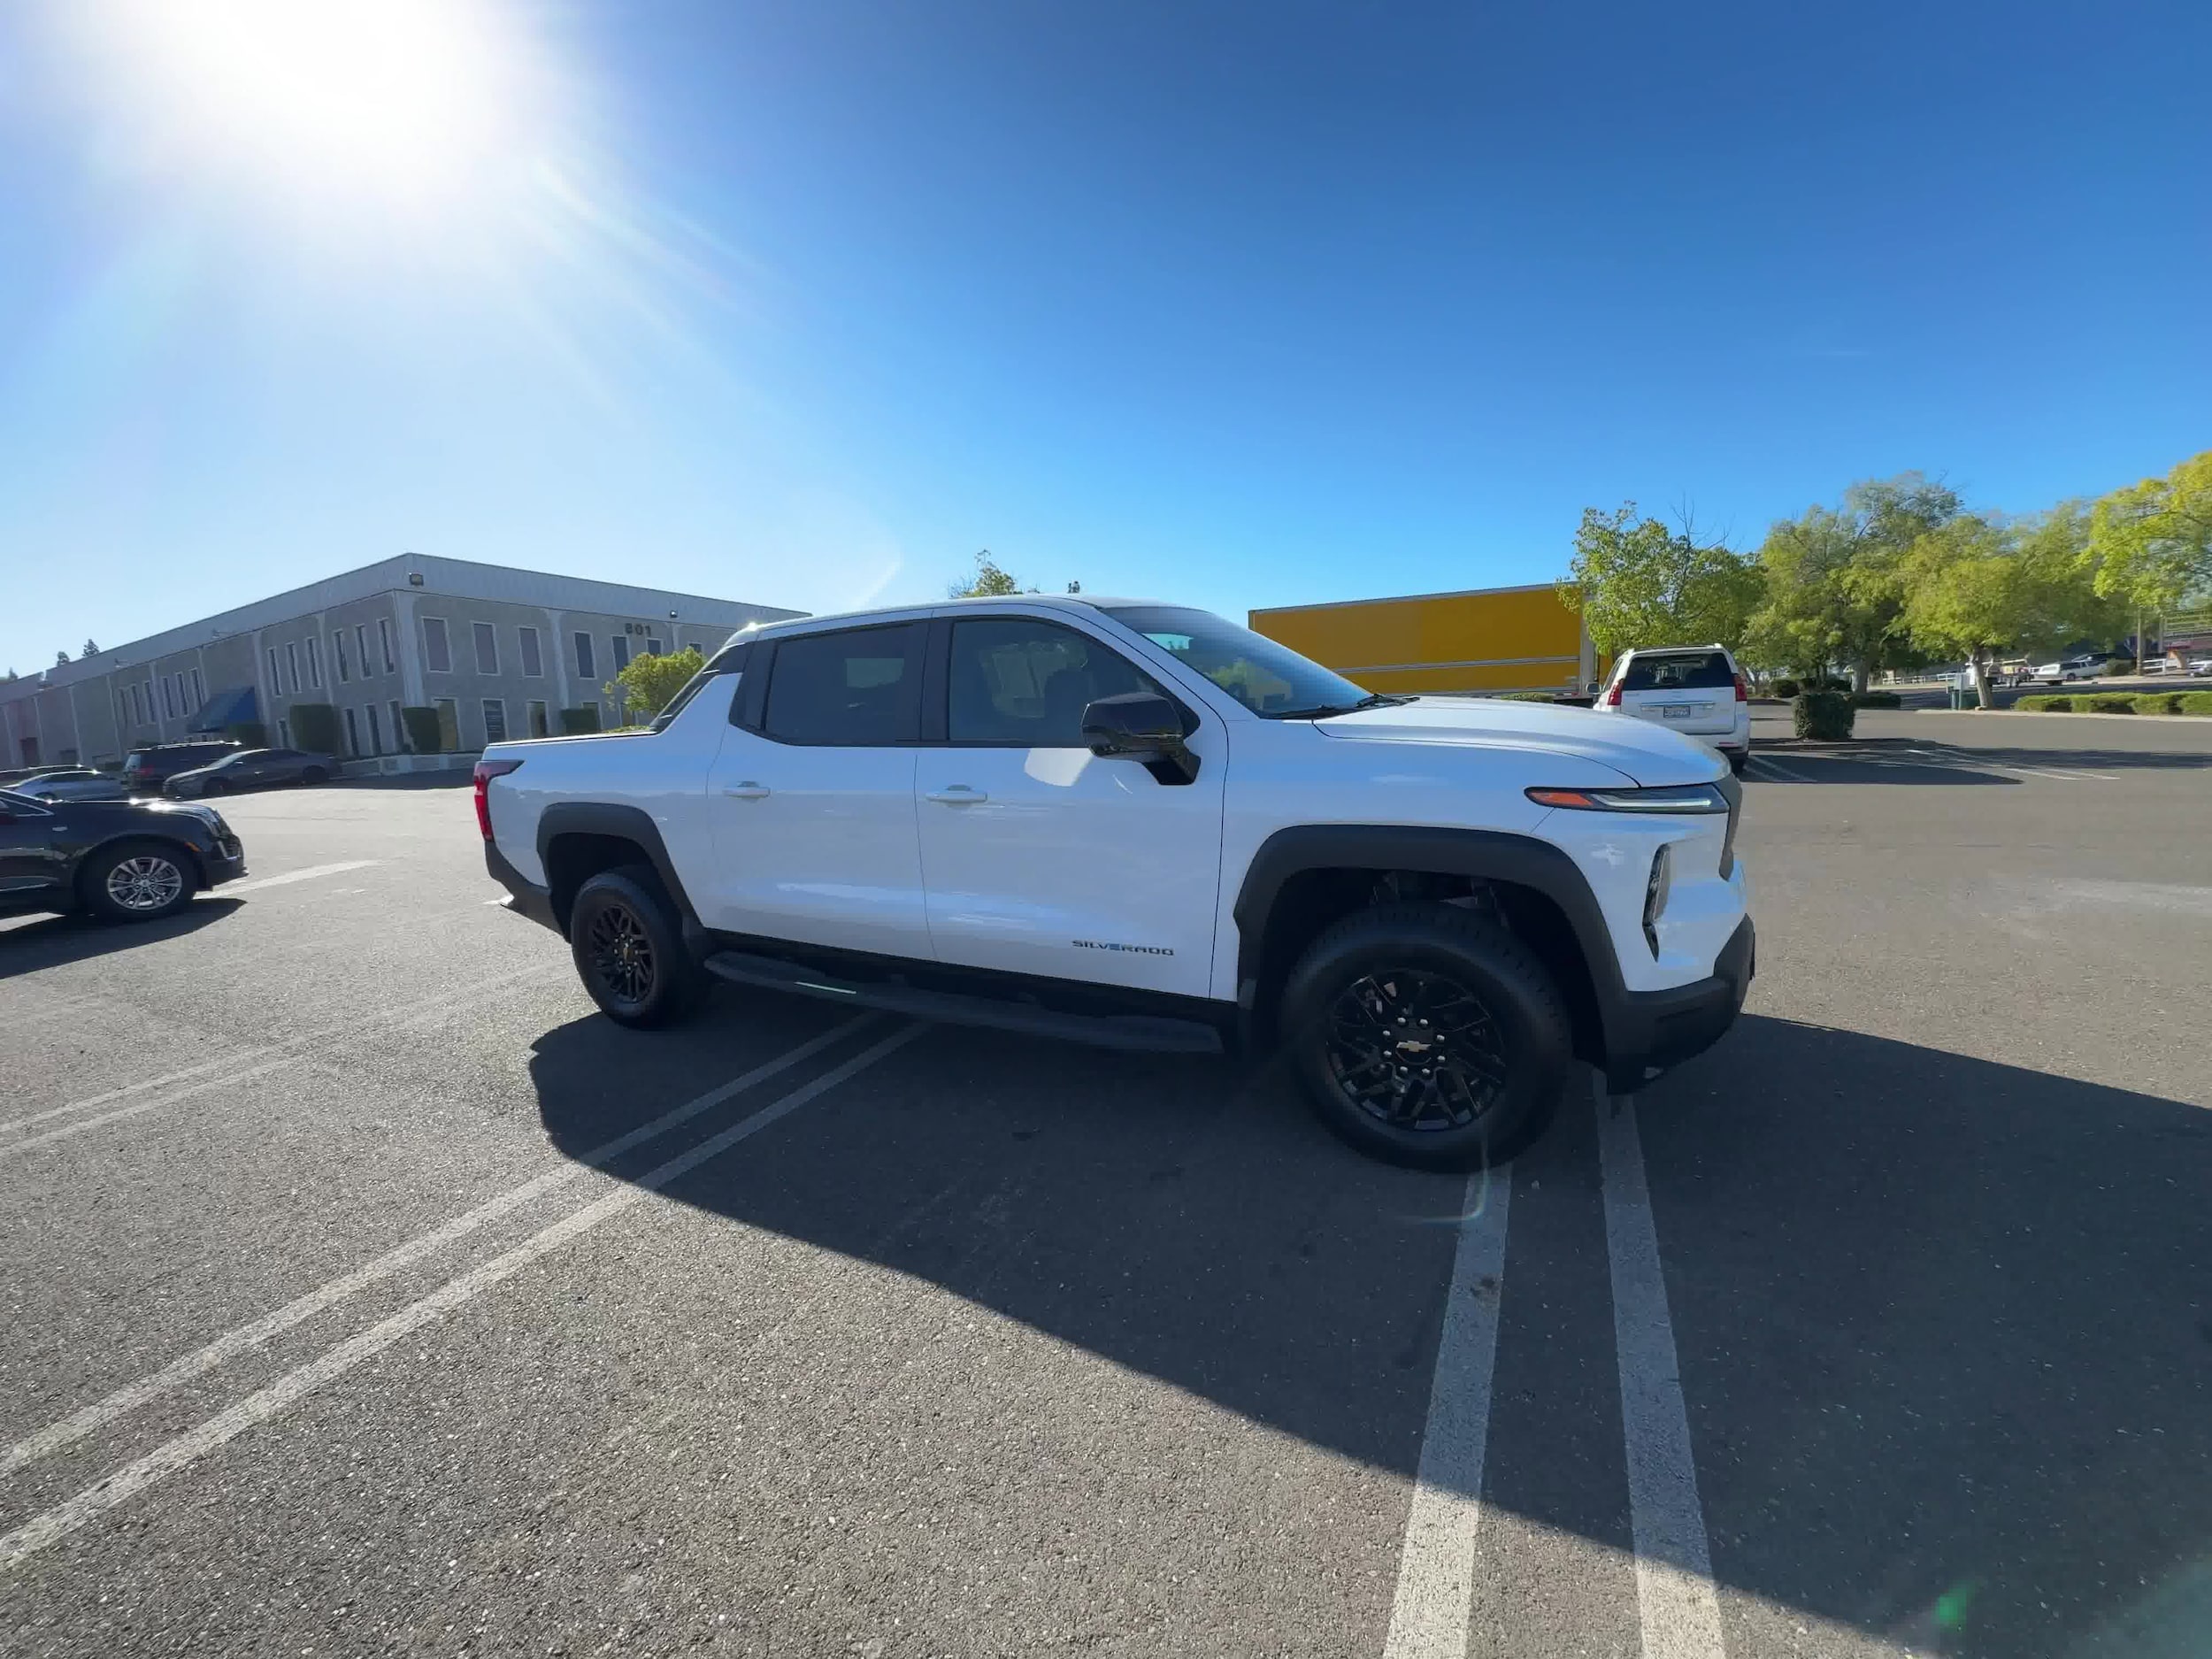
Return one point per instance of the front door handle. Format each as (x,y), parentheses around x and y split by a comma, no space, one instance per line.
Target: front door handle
(746,791)
(956,795)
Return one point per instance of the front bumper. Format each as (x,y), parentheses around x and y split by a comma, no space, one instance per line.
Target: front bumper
(1652,1030)
(223,862)
(528,898)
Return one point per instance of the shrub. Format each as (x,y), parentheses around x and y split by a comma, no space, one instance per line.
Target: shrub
(2158,703)
(423,734)
(2046,704)
(2109,703)
(1876,700)
(315,727)
(578,721)
(2193,703)
(252,734)
(1824,716)
(1526,697)
(2115,667)
(1785,687)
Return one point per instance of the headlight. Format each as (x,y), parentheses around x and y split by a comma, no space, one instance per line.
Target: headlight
(1674,798)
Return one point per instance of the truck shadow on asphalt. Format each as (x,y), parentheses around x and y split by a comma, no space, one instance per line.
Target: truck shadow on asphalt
(1945,1327)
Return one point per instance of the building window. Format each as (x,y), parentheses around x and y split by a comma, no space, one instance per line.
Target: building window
(361,642)
(437,655)
(169,698)
(384,635)
(199,692)
(353,736)
(538,725)
(292,661)
(486,650)
(532,665)
(276,679)
(495,721)
(376,730)
(621,644)
(653,646)
(584,670)
(315,663)
(338,655)
(399,726)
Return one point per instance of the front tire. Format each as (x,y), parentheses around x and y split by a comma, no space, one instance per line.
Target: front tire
(137,882)
(1426,1035)
(629,949)
(314,774)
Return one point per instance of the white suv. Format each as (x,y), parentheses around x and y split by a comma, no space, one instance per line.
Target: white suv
(1694,689)
(1141,826)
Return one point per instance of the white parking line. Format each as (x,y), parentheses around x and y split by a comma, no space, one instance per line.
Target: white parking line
(1774,771)
(128,1089)
(290,876)
(1675,1599)
(122,1112)
(259,1407)
(1436,1566)
(233,1343)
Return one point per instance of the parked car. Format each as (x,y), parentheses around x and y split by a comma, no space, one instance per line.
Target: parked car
(150,767)
(2199,665)
(253,769)
(74,783)
(2090,666)
(1142,826)
(17,774)
(1695,690)
(122,861)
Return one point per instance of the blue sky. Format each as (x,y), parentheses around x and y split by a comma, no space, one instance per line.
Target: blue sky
(1238,305)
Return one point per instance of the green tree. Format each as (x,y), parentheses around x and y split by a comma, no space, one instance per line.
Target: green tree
(1637,583)
(1834,587)
(1978,587)
(2151,543)
(644,687)
(988,581)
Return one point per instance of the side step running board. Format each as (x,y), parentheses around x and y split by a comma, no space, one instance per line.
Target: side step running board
(1135,1032)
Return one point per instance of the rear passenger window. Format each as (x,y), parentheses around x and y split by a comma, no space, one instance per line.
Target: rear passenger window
(1703,670)
(858,687)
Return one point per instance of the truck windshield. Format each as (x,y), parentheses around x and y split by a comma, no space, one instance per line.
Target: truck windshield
(1268,678)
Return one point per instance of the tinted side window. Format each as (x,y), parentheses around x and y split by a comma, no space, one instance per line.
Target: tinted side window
(1704,671)
(861,685)
(1014,680)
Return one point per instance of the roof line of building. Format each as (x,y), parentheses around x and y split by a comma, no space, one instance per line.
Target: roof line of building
(1405,599)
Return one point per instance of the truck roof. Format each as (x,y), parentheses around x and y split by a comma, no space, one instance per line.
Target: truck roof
(931,607)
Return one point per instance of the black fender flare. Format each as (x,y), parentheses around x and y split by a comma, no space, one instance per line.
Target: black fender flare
(618,822)
(1492,855)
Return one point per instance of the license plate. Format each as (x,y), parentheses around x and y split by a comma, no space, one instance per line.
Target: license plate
(1674,712)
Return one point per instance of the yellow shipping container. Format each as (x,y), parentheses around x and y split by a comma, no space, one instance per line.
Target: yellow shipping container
(1483,640)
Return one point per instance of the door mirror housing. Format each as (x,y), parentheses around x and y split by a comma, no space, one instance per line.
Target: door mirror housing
(1143,726)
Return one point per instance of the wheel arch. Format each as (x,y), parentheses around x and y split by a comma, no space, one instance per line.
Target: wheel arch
(577,839)
(195,865)
(1306,877)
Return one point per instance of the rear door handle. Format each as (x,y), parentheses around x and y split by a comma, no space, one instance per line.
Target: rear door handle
(746,791)
(956,795)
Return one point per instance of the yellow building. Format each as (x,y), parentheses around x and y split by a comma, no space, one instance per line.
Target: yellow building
(1483,640)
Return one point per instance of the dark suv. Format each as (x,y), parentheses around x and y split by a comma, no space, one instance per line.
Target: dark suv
(150,767)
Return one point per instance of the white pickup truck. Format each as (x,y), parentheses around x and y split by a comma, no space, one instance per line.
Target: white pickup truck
(1140,826)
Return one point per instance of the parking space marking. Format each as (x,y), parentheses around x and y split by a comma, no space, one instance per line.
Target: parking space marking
(290,876)
(82,1124)
(246,1337)
(258,1406)
(1436,1565)
(442,1003)
(1676,1601)
(1775,771)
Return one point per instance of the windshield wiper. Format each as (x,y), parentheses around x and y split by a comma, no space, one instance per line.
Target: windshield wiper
(1374,699)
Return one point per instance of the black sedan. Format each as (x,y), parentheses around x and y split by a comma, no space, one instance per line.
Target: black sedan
(122,861)
(252,769)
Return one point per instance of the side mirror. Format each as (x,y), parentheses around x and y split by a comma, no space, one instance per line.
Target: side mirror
(1142,727)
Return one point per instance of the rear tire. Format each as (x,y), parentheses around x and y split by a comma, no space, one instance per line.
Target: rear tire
(629,951)
(137,882)
(1738,759)
(314,774)
(1426,1035)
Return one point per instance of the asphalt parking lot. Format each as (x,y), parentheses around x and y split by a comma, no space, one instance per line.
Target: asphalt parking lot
(366,1293)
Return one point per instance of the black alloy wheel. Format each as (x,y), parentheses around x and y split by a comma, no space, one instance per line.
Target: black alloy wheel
(1416,1051)
(629,949)
(621,954)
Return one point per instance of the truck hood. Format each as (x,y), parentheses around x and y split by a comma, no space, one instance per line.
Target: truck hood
(1640,751)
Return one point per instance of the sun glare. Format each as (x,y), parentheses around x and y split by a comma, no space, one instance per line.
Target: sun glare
(418,101)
